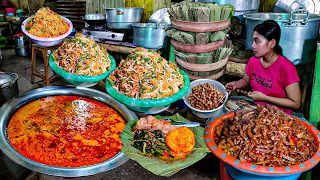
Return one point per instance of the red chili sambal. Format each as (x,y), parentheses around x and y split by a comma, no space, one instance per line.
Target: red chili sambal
(66,131)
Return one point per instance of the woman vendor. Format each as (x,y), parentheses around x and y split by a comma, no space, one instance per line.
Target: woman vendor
(272,77)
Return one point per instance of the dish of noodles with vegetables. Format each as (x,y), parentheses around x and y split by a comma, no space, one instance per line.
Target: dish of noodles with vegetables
(146,75)
(83,56)
(47,24)
(66,131)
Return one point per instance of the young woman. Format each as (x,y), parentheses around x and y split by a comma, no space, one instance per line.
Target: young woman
(272,77)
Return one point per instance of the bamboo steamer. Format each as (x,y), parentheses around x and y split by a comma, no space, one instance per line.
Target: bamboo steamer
(200,26)
(195,71)
(197,48)
(201,71)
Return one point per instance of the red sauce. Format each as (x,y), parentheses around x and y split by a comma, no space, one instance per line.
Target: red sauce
(66,131)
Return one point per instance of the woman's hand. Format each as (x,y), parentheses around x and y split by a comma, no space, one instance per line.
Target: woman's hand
(231,86)
(257,96)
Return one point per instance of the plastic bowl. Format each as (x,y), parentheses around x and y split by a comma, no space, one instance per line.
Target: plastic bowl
(150,106)
(47,42)
(246,171)
(10,10)
(9,14)
(206,113)
(73,33)
(80,80)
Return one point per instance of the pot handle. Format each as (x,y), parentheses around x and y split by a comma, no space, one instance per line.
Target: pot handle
(6,86)
(297,11)
(119,12)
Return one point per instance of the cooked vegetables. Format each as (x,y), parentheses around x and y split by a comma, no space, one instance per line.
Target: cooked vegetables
(159,138)
(146,75)
(206,97)
(151,143)
(265,136)
(47,24)
(81,55)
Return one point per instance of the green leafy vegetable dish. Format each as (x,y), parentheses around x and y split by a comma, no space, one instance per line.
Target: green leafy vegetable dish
(147,142)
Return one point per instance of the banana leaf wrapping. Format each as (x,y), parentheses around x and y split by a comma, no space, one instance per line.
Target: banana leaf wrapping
(160,167)
(202,38)
(218,36)
(200,12)
(197,38)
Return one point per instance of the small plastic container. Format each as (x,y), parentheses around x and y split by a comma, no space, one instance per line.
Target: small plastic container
(10,14)
(10,10)
(20,12)
(1,17)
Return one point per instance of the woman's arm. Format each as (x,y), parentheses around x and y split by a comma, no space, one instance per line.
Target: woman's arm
(292,101)
(242,83)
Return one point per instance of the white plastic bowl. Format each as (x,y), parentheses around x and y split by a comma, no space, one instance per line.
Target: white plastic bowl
(47,42)
(206,113)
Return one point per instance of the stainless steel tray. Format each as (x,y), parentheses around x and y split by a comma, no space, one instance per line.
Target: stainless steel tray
(11,106)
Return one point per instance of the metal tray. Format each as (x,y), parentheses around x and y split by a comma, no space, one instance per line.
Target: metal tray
(8,109)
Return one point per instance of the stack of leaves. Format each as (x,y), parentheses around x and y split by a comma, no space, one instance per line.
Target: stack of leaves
(197,38)
(204,58)
(201,12)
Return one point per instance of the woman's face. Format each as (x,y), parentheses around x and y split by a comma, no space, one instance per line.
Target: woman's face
(261,46)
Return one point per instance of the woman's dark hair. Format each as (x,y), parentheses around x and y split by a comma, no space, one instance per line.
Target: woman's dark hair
(270,29)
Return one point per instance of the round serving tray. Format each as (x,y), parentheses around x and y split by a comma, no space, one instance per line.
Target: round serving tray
(258,170)
(8,109)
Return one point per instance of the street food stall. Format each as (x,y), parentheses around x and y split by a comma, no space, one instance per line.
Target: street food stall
(156,94)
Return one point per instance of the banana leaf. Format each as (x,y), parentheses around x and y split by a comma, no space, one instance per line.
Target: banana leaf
(217,13)
(204,58)
(160,167)
(218,36)
(202,38)
(231,13)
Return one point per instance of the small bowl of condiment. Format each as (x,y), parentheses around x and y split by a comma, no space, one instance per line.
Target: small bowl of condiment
(206,98)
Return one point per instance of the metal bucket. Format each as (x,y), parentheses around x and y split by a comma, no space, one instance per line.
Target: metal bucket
(21,41)
(122,18)
(22,51)
(299,32)
(8,87)
(148,35)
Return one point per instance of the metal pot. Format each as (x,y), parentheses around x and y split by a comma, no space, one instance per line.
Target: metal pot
(8,87)
(299,32)
(95,19)
(8,109)
(21,41)
(22,51)
(148,35)
(122,18)
(239,5)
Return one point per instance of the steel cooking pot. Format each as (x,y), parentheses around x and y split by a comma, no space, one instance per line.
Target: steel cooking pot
(122,18)
(299,32)
(148,35)
(8,86)
(95,19)
(8,109)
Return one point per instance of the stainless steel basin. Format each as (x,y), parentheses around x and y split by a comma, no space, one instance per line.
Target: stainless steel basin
(13,105)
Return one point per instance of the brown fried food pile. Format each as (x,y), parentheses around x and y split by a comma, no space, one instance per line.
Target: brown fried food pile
(265,136)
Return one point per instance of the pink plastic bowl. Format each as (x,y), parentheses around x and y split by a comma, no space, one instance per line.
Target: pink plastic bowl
(47,42)
(11,10)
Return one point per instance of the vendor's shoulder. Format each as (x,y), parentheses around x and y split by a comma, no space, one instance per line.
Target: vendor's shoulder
(285,60)
(253,59)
